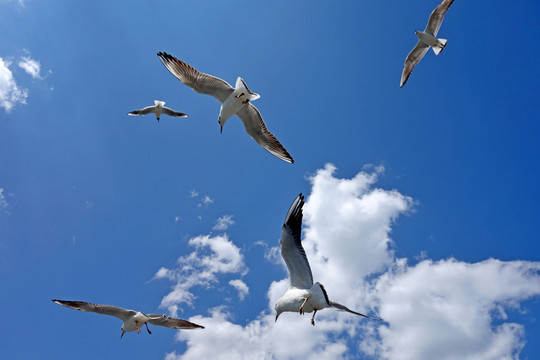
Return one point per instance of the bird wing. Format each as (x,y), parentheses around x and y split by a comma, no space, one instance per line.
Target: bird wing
(146,110)
(256,128)
(118,312)
(414,57)
(437,16)
(173,113)
(162,320)
(291,247)
(198,81)
(344,308)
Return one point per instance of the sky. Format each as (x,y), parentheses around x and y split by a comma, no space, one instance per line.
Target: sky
(421,201)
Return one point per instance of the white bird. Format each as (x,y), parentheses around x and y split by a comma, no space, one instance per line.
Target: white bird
(234,101)
(158,109)
(133,320)
(303,295)
(426,39)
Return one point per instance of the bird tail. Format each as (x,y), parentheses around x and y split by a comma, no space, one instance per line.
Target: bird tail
(157,102)
(344,308)
(440,47)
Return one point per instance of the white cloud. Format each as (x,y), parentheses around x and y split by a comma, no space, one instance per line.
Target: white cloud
(3,201)
(31,66)
(223,222)
(454,310)
(241,287)
(10,93)
(446,309)
(207,200)
(193,193)
(200,268)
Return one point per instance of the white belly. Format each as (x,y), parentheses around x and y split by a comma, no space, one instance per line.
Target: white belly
(427,39)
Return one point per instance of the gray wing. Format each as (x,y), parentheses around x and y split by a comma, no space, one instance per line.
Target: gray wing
(146,110)
(291,247)
(120,313)
(173,113)
(437,16)
(162,320)
(256,128)
(344,308)
(413,58)
(198,81)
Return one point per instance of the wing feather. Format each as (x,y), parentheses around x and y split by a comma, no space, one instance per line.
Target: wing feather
(198,81)
(437,16)
(256,128)
(173,113)
(162,320)
(146,110)
(414,57)
(118,312)
(291,247)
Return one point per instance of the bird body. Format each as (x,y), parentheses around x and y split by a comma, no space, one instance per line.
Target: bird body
(303,295)
(131,320)
(157,109)
(234,101)
(436,44)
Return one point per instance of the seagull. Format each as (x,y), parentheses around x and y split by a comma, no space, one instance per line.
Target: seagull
(133,320)
(234,101)
(427,39)
(303,295)
(158,109)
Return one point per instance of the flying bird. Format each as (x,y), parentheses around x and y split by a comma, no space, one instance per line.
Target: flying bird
(303,295)
(158,109)
(234,101)
(133,320)
(426,39)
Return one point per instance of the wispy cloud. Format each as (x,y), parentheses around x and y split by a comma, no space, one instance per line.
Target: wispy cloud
(3,201)
(10,92)
(223,222)
(31,66)
(193,193)
(446,309)
(212,256)
(241,287)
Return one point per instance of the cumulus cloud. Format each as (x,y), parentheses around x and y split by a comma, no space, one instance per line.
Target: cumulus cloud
(31,66)
(212,256)
(223,222)
(241,287)
(10,93)
(446,309)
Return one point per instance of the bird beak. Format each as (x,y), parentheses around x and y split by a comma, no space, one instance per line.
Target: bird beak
(277,315)
(221,129)
(122,334)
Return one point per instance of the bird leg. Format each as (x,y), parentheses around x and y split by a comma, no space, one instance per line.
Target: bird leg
(147,328)
(245,101)
(137,327)
(313,317)
(239,95)
(302,306)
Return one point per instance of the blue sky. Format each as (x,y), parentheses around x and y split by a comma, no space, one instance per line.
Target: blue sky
(422,202)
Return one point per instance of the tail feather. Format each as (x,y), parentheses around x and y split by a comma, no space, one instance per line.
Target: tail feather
(344,308)
(438,49)
(157,102)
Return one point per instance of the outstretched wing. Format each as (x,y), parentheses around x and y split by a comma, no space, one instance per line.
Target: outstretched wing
(413,58)
(256,128)
(198,81)
(118,312)
(162,320)
(437,16)
(173,113)
(291,247)
(146,110)
(344,308)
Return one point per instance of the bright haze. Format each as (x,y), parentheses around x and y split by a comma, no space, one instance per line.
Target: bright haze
(421,202)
